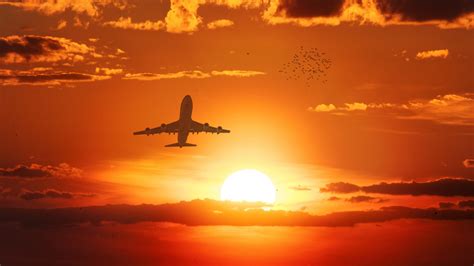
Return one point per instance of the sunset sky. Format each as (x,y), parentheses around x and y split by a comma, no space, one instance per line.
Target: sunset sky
(390,125)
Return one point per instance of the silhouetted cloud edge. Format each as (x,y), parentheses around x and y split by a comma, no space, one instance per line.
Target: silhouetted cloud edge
(211,212)
(440,187)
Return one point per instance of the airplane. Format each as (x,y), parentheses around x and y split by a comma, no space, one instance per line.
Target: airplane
(183,126)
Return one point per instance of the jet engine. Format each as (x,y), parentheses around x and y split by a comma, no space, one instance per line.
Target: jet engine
(219,129)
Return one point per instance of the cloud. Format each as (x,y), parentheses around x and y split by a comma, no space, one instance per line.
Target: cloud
(49,7)
(460,204)
(356,106)
(349,107)
(444,14)
(450,109)
(221,23)
(237,73)
(468,163)
(51,193)
(182,16)
(45,77)
(300,188)
(448,187)
(211,212)
(32,48)
(126,23)
(80,23)
(340,187)
(446,205)
(310,8)
(61,24)
(466,204)
(425,10)
(359,199)
(108,71)
(322,108)
(37,170)
(334,198)
(432,54)
(193,74)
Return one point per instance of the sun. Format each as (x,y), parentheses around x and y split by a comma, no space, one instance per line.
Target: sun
(248,185)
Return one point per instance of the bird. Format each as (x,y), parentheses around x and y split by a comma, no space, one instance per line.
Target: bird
(308,64)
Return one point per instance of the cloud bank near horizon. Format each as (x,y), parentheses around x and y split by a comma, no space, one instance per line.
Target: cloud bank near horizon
(212,212)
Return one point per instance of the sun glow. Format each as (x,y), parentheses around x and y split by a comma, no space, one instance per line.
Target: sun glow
(248,185)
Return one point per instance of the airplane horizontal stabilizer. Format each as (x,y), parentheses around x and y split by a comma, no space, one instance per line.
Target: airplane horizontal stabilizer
(183,145)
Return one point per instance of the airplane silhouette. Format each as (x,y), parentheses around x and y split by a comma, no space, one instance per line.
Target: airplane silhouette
(183,126)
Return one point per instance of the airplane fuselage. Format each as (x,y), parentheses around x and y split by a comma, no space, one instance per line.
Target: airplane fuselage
(183,126)
(185,120)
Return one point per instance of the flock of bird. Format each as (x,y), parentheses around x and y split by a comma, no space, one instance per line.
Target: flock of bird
(307,64)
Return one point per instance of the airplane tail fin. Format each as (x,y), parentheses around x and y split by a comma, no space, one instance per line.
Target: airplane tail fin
(183,145)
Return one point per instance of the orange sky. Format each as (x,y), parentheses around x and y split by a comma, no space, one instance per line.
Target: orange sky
(398,104)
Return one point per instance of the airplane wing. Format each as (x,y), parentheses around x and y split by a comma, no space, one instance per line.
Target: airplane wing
(164,128)
(199,127)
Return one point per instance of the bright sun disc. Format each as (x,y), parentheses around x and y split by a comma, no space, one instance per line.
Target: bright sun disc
(248,185)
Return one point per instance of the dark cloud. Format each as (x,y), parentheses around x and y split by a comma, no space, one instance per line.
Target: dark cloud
(466,204)
(24,171)
(33,48)
(425,10)
(300,188)
(51,193)
(28,46)
(210,212)
(45,77)
(442,13)
(448,187)
(37,170)
(468,163)
(334,198)
(359,199)
(446,205)
(310,8)
(48,78)
(440,187)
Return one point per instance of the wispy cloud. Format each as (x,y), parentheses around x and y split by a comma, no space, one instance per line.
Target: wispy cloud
(109,71)
(45,77)
(193,74)
(88,7)
(300,188)
(126,23)
(221,23)
(237,73)
(468,163)
(450,109)
(61,24)
(432,54)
